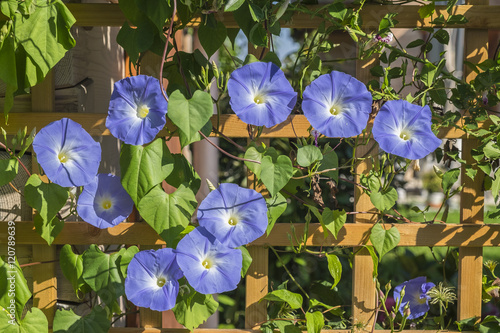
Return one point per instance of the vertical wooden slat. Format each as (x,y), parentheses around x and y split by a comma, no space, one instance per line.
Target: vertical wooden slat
(470,266)
(44,275)
(257,275)
(363,284)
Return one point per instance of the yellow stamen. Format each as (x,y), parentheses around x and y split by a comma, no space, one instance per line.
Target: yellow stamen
(207,263)
(142,111)
(232,221)
(405,135)
(106,204)
(335,110)
(63,158)
(259,99)
(161,282)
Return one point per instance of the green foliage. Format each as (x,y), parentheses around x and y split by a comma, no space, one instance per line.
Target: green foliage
(190,115)
(47,199)
(35,38)
(276,206)
(192,308)
(72,268)
(11,273)
(276,172)
(168,214)
(212,35)
(384,199)
(335,268)
(34,321)
(315,321)
(143,168)
(384,240)
(308,155)
(95,322)
(294,300)
(247,260)
(8,170)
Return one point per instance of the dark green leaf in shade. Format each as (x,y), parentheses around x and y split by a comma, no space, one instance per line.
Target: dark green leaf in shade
(212,38)
(95,322)
(294,300)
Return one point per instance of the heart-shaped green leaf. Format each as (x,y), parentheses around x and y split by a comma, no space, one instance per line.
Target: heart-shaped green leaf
(168,214)
(143,168)
(275,174)
(212,37)
(384,240)
(190,115)
(46,198)
(385,199)
(307,155)
(95,322)
(283,295)
(335,268)
(193,308)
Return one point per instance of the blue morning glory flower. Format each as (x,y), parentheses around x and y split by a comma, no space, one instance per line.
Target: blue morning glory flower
(260,94)
(415,296)
(67,153)
(151,280)
(337,105)
(104,202)
(137,110)
(208,265)
(233,214)
(404,129)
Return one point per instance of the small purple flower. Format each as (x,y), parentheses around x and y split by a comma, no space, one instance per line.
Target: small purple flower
(137,110)
(104,202)
(67,153)
(387,39)
(404,129)
(316,134)
(337,105)
(485,100)
(151,280)
(234,215)
(208,265)
(260,94)
(415,296)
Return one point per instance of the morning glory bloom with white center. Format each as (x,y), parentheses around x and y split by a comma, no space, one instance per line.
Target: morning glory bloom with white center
(208,265)
(415,296)
(404,129)
(234,215)
(137,110)
(260,94)
(67,153)
(337,105)
(104,202)
(152,279)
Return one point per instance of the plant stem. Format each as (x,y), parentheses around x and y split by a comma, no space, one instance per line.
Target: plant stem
(169,33)
(288,272)
(225,152)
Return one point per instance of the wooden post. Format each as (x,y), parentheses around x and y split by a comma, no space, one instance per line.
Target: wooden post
(44,275)
(363,284)
(470,268)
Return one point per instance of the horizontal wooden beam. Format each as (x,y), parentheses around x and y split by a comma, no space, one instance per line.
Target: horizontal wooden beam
(480,17)
(414,234)
(229,124)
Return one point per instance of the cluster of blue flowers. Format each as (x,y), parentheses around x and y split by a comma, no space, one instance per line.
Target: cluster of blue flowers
(70,157)
(335,104)
(207,257)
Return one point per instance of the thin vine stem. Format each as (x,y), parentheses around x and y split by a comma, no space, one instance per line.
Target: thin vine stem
(225,152)
(169,33)
(18,159)
(288,272)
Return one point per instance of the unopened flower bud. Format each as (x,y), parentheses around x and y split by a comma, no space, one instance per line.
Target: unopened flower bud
(381,294)
(393,315)
(416,165)
(215,69)
(438,171)
(388,286)
(406,311)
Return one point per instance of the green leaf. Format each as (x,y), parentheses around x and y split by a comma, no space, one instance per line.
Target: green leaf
(307,155)
(46,198)
(428,74)
(168,214)
(495,186)
(190,115)
(438,93)
(136,40)
(275,173)
(247,260)
(143,168)
(415,43)
(158,12)
(8,170)
(123,258)
(335,268)
(45,34)
(102,273)
(275,207)
(442,36)
(330,161)
(375,260)
(13,280)
(385,199)
(333,220)
(256,154)
(34,321)
(471,172)
(183,173)
(490,324)
(48,230)
(450,177)
(95,322)
(193,309)
(426,10)
(492,150)
(212,38)
(285,327)
(384,240)
(72,268)
(337,10)
(232,5)
(314,321)
(8,7)
(282,295)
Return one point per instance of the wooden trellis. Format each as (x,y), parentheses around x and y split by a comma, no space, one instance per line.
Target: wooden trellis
(471,235)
